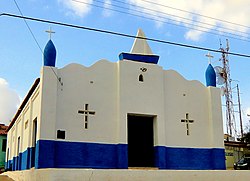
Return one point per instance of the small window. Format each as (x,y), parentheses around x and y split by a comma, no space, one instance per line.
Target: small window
(4,143)
(141,78)
(60,134)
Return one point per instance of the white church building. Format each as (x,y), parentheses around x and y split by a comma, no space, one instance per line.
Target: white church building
(117,115)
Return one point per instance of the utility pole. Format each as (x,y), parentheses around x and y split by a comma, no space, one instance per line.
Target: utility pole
(241,126)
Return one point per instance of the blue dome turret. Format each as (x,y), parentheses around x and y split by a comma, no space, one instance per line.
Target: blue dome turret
(210,76)
(49,55)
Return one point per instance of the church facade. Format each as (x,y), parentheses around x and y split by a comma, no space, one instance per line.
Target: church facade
(131,113)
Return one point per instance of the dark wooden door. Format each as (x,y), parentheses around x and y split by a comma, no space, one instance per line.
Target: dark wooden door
(140,141)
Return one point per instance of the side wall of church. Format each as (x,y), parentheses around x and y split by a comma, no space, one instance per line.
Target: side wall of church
(21,137)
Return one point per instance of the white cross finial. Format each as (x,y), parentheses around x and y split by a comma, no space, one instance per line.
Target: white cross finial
(50,32)
(209,57)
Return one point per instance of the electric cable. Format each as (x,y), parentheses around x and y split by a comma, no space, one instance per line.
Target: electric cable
(164,13)
(125,35)
(204,29)
(225,21)
(32,34)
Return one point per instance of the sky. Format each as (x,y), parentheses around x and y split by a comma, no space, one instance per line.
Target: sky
(203,23)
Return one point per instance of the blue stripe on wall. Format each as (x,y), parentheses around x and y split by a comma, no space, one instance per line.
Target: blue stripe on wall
(190,158)
(24,160)
(63,154)
(8,165)
(80,155)
(45,154)
(21,162)
(218,159)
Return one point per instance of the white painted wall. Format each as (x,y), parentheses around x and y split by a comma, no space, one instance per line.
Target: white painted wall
(113,90)
(35,115)
(28,114)
(95,86)
(145,98)
(181,97)
(215,117)
(49,87)
(24,135)
(9,143)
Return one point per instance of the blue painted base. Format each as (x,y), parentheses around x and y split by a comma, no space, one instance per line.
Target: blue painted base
(22,161)
(190,158)
(80,155)
(63,154)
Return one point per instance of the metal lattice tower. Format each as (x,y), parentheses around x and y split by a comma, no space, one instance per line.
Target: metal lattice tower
(230,118)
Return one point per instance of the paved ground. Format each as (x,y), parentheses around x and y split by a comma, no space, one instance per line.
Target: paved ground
(5,178)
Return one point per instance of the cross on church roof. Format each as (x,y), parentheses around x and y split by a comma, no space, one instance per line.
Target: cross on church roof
(50,32)
(209,57)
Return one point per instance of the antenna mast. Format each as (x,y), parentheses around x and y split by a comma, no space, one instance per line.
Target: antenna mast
(230,118)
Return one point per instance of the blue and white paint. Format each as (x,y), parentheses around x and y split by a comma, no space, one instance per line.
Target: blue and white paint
(60,154)
(107,93)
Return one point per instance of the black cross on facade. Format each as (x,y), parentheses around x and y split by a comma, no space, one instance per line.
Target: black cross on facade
(86,112)
(187,121)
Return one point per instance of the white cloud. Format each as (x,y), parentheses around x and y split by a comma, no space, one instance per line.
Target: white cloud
(248,111)
(9,101)
(106,5)
(77,7)
(193,35)
(231,10)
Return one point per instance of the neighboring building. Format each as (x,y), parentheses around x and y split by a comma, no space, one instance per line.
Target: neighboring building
(3,144)
(130,113)
(234,151)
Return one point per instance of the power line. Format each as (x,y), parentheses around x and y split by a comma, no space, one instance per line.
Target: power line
(32,34)
(205,16)
(204,29)
(164,13)
(124,35)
